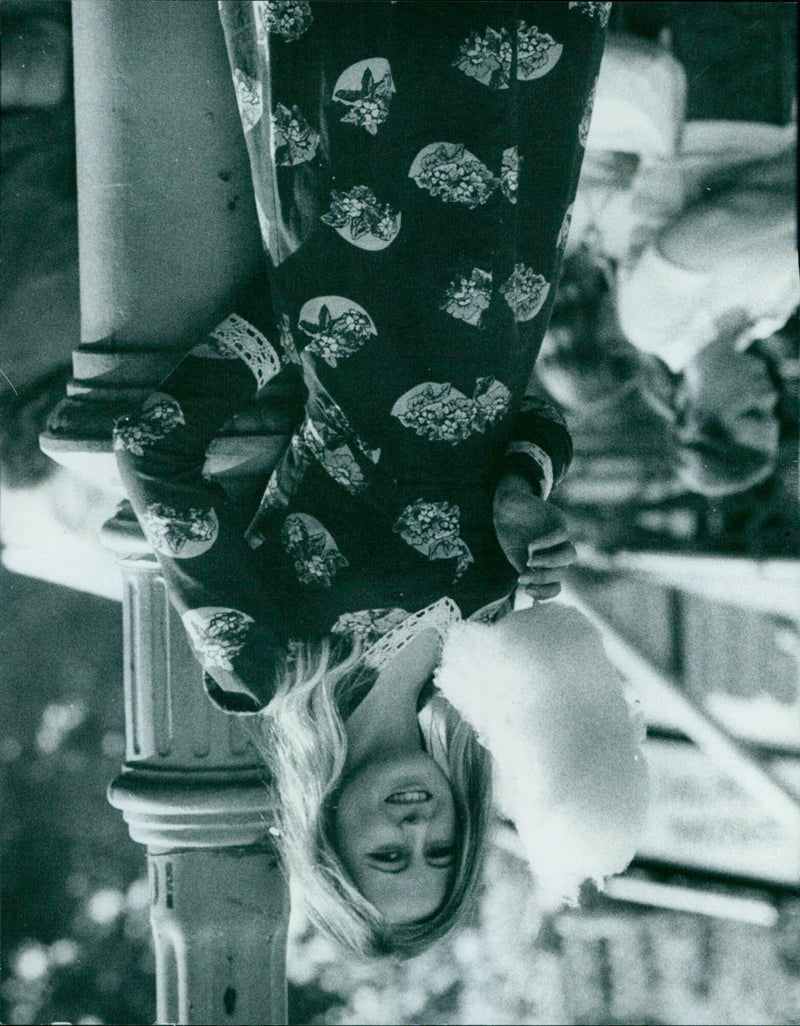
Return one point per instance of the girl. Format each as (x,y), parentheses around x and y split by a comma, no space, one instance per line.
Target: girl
(413,167)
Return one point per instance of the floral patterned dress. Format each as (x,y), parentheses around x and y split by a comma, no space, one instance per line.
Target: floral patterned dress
(413,166)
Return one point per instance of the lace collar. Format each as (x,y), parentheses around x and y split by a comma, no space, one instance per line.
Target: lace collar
(439,616)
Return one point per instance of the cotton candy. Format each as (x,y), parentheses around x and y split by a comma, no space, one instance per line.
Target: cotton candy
(548,704)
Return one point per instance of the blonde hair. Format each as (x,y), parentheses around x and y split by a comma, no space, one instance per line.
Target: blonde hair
(301,735)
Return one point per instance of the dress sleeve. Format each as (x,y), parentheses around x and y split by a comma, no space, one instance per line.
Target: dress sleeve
(196,532)
(541,447)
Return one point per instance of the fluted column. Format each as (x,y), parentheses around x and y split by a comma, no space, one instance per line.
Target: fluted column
(193,790)
(219,957)
(166,220)
(168,235)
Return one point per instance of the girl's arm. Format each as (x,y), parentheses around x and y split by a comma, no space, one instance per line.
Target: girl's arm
(232,620)
(532,533)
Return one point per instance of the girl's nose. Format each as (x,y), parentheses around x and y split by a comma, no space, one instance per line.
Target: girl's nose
(418,813)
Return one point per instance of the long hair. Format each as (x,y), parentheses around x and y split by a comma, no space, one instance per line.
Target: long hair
(301,736)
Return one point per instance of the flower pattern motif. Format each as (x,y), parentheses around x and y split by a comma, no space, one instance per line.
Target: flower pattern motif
(249,99)
(288,19)
(452,174)
(467,298)
(601,11)
(322,443)
(296,141)
(433,528)
(315,555)
(290,353)
(366,89)
(525,292)
(441,413)
(159,415)
(509,174)
(218,634)
(182,534)
(340,329)
(537,52)
(488,58)
(368,625)
(358,217)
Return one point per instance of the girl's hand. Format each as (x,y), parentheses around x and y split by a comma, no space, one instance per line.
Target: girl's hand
(533,536)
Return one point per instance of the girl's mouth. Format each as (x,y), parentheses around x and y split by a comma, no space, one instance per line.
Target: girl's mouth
(409,797)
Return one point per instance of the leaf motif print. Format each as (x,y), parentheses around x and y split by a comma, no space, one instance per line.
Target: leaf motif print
(315,555)
(441,413)
(487,58)
(181,534)
(343,468)
(248,98)
(360,219)
(288,346)
(159,415)
(467,298)
(586,120)
(432,528)
(296,141)
(509,174)
(337,326)
(235,338)
(525,292)
(537,52)
(492,400)
(218,634)
(601,11)
(288,19)
(366,88)
(452,174)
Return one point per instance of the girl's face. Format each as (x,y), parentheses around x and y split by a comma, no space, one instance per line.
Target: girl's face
(395,831)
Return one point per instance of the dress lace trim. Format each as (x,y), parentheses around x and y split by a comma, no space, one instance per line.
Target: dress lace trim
(235,337)
(440,616)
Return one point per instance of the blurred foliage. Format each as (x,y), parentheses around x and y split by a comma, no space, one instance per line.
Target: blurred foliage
(76,935)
